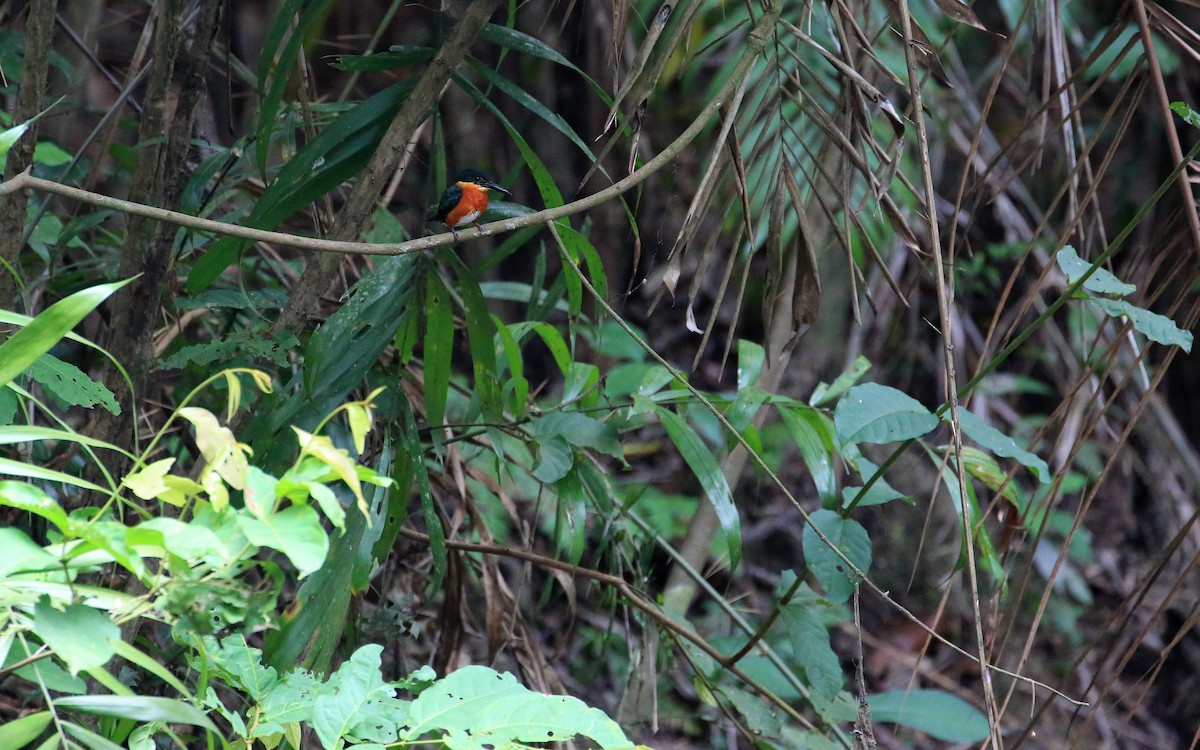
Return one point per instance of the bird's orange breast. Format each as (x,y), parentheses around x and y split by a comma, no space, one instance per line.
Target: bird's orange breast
(470,207)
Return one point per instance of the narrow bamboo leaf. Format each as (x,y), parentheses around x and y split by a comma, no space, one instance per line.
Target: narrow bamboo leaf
(873,413)
(89,738)
(397,57)
(439,349)
(1158,328)
(813,434)
(22,554)
(481,332)
(526,100)
(8,138)
(848,536)
(338,153)
(708,471)
(825,393)
(750,362)
(139,707)
(433,523)
(24,347)
(28,498)
(20,732)
(16,468)
(1000,444)
(1101,281)
(276,68)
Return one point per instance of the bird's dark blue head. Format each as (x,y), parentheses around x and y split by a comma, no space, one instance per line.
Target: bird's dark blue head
(477,177)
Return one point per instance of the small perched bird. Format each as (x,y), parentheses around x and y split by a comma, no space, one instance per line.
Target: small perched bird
(465,201)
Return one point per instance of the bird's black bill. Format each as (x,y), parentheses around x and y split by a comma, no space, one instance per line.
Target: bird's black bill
(493,186)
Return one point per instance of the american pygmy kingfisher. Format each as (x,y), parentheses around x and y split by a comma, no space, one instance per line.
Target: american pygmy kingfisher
(465,201)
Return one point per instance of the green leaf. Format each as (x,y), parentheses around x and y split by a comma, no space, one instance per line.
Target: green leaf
(522,97)
(1100,282)
(580,431)
(700,459)
(810,644)
(760,720)
(873,413)
(999,443)
(439,350)
(813,434)
(1189,115)
(554,459)
(295,531)
(750,362)
(8,139)
(276,67)
(357,705)
(31,499)
(20,732)
(70,385)
(22,554)
(336,154)
(80,635)
(433,522)
(850,538)
(481,332)
(825,393)
(21,350)
(520,42)
(398,56)
(137,707)
(937,713)
(476,707)
(1158,328)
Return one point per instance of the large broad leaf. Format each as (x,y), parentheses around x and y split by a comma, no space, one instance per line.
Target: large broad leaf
(873,413)
(339,152)
(477,708)
(850,538)
(20,351)
(708,471)
(357,704)
(937,713)
(1000,444)
(80,635)
(294,531)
